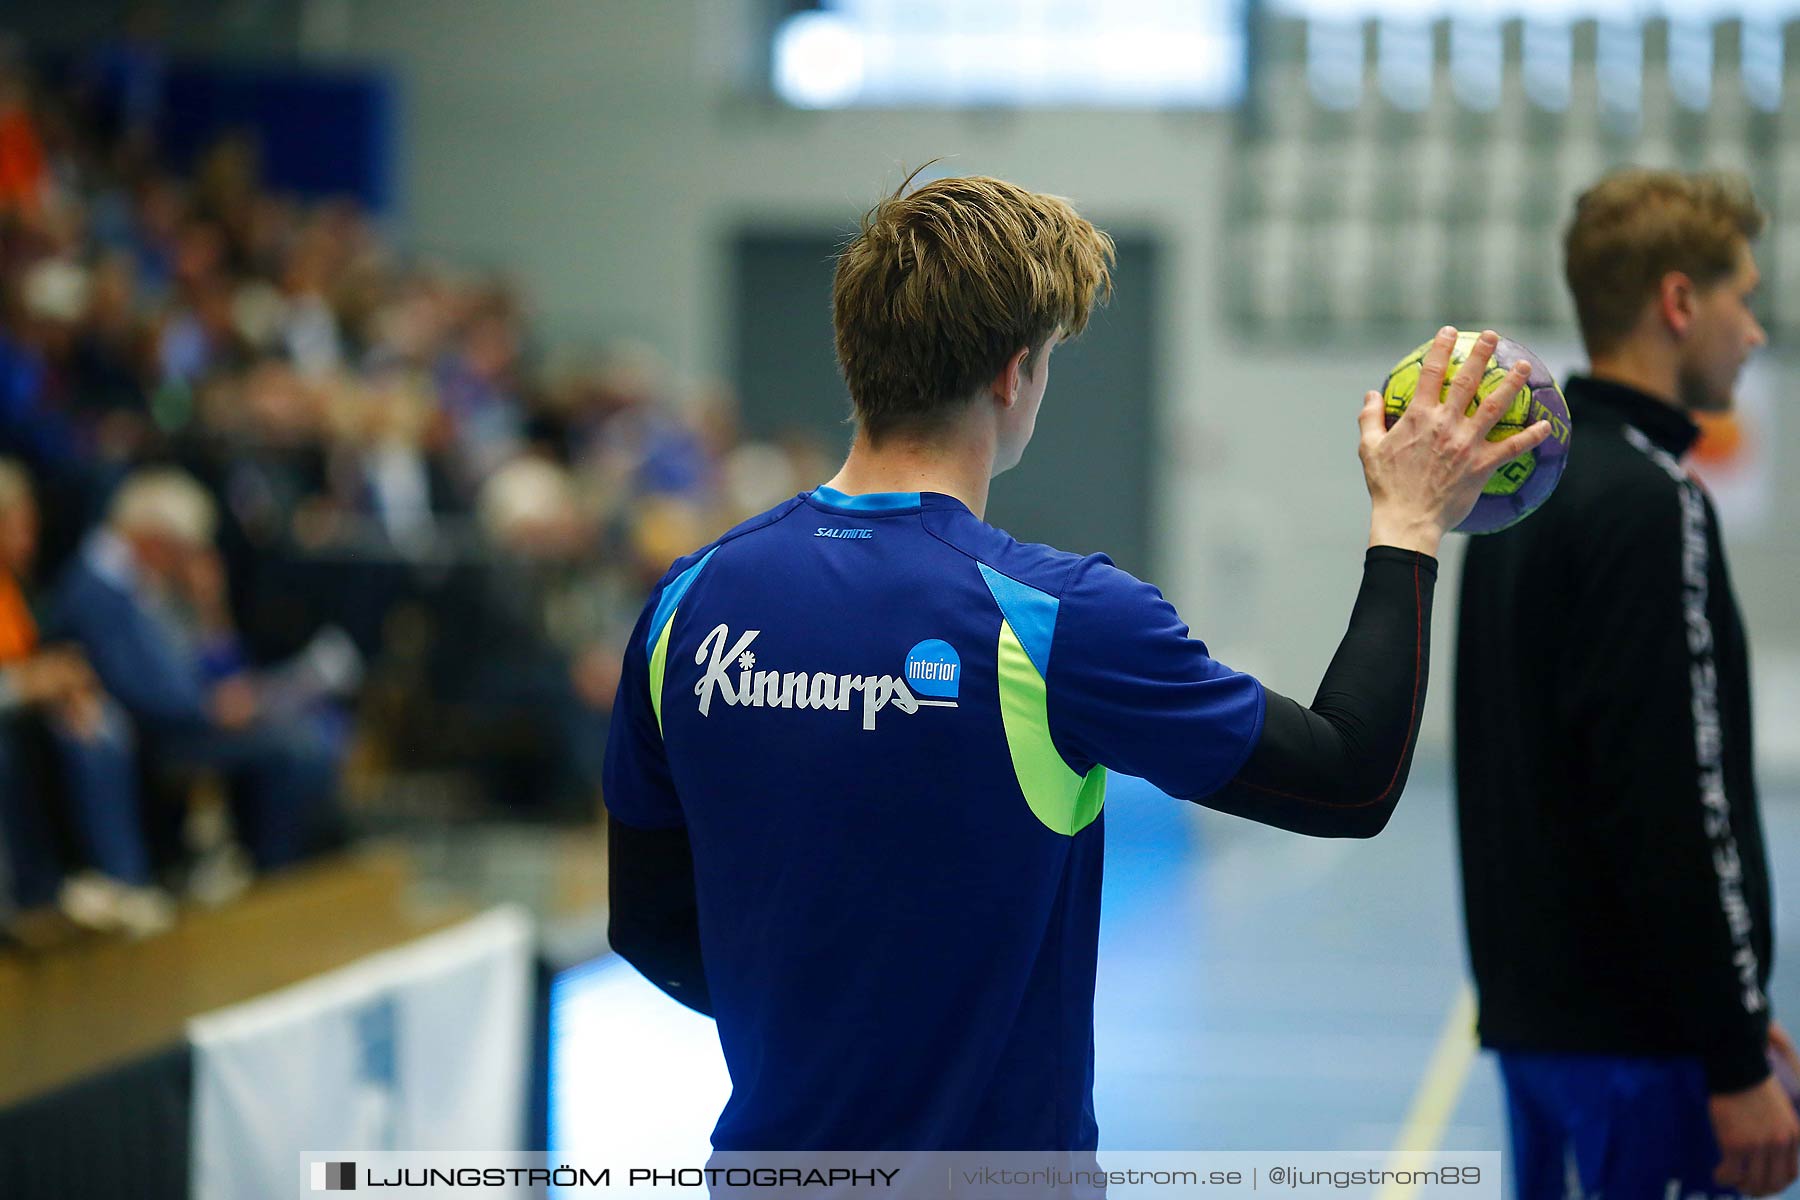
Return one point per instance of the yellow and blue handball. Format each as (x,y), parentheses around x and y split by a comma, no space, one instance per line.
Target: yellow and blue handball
(1518,486)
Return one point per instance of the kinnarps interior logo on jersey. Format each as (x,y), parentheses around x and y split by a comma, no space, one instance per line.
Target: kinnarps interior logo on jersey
(933,669)
(735,677)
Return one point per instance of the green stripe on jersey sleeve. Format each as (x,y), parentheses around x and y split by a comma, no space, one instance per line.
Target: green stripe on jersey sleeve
(1065,802)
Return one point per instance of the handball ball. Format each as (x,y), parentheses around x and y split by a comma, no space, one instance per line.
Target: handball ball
(1516,488)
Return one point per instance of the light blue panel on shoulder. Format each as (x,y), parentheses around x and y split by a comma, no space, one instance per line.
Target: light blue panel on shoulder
(1030,612)
(867,501)
(678,586)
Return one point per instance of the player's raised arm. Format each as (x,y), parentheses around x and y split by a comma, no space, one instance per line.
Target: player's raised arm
(1336,768)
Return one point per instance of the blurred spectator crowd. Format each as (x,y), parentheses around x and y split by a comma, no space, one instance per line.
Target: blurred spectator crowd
(288,515)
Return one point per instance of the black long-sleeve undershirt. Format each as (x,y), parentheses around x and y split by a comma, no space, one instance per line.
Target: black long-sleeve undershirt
(1336,769)
(653,919)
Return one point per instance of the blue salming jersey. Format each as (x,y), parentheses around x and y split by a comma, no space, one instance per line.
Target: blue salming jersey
(885,726)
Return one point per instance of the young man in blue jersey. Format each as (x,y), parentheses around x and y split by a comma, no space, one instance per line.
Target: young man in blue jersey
(860,747)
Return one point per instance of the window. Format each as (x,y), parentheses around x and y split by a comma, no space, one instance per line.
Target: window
(1065,53)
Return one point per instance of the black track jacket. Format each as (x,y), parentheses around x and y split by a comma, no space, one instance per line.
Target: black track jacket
(1614,879)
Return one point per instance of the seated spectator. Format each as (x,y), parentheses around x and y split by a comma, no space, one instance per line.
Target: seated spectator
(550,618)
(53,692)
(388,487)
(127,598)
(478,384)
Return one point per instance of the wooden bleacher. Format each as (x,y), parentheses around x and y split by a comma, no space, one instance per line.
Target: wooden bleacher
(98,1003)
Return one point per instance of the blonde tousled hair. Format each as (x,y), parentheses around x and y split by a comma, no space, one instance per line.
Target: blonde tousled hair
(943,284)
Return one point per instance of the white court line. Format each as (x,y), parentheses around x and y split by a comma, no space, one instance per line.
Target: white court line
(1440,1088)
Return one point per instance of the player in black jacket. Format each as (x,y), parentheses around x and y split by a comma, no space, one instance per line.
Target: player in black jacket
(1614,877)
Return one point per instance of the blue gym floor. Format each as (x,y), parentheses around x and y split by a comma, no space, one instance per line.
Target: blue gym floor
(1257,990)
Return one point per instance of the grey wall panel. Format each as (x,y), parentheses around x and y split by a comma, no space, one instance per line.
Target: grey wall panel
(1085,484)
